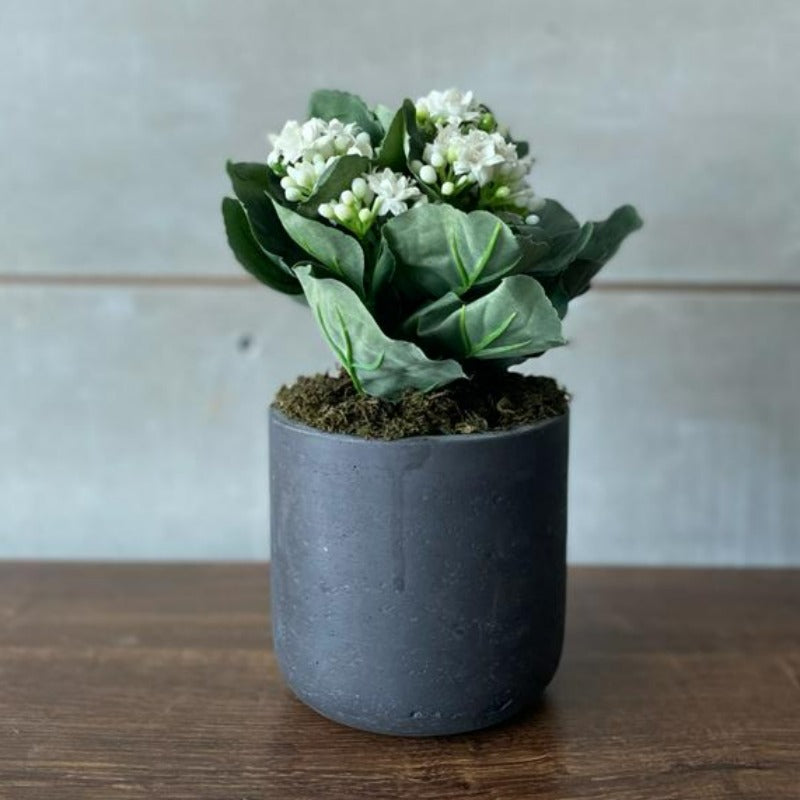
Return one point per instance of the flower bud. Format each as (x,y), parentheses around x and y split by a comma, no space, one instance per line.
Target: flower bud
(532,219)
(438,160)
(343,213)
(326,210)
(293,194)
(365,215)
(359,187)
(348,198)
(416,165)
(487,122)
(307,174)
(427,174)
(448,188)
(325,148)
(502,192)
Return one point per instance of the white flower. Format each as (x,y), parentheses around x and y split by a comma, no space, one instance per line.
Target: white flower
(359,188)
(458,159)
(352,208)
(301,153)
(522,196)
(393,192)
(294,141)
(316,137)
(427,174)
(371,195)
(451,106)
(348,139)
(476,153)
(301,178)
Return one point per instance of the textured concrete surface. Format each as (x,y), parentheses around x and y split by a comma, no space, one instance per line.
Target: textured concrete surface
(119,116)
(132,411)
(133,422)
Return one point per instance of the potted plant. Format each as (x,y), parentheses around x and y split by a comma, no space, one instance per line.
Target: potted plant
(418,501)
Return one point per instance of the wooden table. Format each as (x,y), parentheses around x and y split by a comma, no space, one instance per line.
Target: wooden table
(158,682)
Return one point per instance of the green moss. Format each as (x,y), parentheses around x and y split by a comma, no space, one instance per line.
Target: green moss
(488,402)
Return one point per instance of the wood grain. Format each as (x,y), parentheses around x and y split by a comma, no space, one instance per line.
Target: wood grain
(158,682)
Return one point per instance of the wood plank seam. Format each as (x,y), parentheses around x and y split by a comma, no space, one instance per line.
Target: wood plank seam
(242,281)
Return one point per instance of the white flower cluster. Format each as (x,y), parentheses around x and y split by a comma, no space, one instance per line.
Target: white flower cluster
(457,159)
(374,194)
(463,155)
(301,152)
(450,106)
(465,152)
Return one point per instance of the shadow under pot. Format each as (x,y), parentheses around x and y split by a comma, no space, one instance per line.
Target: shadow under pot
(418,585)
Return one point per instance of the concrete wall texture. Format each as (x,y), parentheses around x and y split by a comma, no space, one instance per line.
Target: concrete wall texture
(136,362)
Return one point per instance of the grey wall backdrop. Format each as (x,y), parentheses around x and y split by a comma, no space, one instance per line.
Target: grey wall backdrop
(136,362)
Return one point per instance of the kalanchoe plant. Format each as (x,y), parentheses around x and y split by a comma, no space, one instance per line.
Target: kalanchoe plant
(415,237)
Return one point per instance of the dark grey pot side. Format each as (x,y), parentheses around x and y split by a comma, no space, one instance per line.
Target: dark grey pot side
(418,585)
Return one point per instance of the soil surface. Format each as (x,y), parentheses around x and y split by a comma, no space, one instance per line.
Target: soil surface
(491,402)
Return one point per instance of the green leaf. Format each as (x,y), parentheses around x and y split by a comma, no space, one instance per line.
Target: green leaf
(533,255)
(383,299)
(251,179)
(555,221)
(385,266)
(392,150)
(414,146)
(337,177)
(333,104)
(253,184)
(558,297)
(264,266)
(377,365)
(439,248)
(425,321)
(607,236)
(384,115)
(413,140)
(335,251)
(563,235)
(514,320)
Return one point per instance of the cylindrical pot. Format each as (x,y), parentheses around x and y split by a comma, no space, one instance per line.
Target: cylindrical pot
(418,585)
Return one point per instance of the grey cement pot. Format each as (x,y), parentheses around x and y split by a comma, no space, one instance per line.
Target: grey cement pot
(418,585)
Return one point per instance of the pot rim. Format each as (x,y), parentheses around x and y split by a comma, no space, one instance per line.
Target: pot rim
(278,417)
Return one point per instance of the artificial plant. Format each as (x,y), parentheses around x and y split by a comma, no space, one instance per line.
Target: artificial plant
(415,237)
